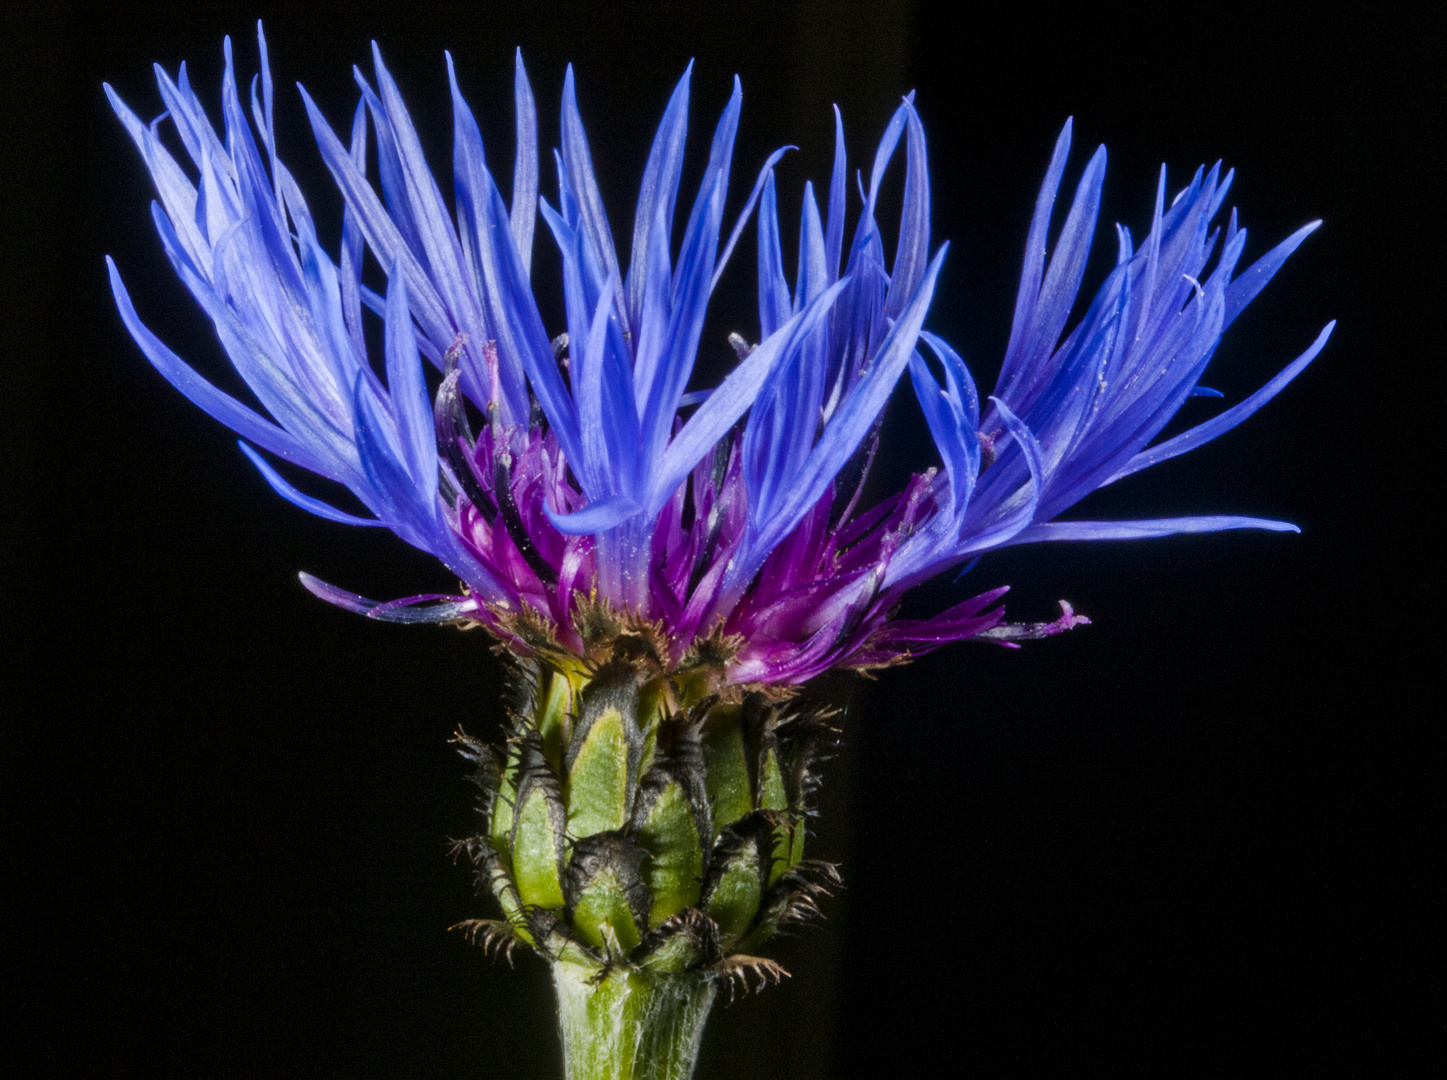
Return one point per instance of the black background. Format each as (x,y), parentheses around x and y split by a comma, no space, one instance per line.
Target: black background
(1192,839)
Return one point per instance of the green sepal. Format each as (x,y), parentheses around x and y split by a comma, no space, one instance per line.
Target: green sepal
(603,754)
(688,939)
(735,884)
(730,792)
(652,709)
(668,830)
(607,900)
(796,844)
(772,795)
(490,867)
(539,824)
(553,716)
(787,831)
(502,803)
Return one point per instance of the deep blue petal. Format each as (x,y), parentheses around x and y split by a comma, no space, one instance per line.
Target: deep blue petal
(733,397)
(1254,278)
(1224,422)
(578,161)
(408,389)
(838,187)
(773,288)
(855,416)
(813,262)
(199,392)
(311,505)
(657,196)
(912,250)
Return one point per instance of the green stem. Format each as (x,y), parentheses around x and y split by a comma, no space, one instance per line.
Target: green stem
(630,1026)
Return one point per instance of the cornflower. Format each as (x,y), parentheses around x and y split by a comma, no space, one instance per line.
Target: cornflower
(663,565)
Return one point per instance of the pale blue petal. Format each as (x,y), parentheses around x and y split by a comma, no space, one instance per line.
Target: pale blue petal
(524,214)
(1141,530)
(598,516)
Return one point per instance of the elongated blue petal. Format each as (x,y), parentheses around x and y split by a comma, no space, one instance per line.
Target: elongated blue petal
(311,505)
(524,214)
(846,429)
(512,315)
(410,402)
(657,196)
(998,523)
(599,516)
(213,402)
(1141,530)
(838,184)
(912,254)
(578,160)
(1246,287)
(773,288)
(348,601)
(1224,422)
(734,395)
(743,218)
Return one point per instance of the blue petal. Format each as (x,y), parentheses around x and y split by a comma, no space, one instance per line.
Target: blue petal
(199,392)
(1034,270)
(692,280)
(867,231)
(773,289)
(657,196)
(579,164)
(848,426)
(512,314)
(439,244)
(298,498)
(813,263)
(733,397)
(597,517)
(602,387)
(912,250)
(838,185)
(393,494)
(408,390)
(1003,521)
(351,256)
(525,167)
(350,601)
(1254,278)
(720,156)
(743,218)
(1224,422)
(379,227)
(1140,530)
(953,416)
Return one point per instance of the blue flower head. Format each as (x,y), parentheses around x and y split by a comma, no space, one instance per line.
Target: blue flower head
(553,468)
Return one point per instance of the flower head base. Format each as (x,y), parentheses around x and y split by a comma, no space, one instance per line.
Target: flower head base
(559,476)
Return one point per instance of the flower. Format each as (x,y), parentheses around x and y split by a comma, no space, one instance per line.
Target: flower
(725,519)
(664,564)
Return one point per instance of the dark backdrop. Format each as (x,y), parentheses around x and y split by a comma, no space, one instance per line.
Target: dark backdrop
(1191,839)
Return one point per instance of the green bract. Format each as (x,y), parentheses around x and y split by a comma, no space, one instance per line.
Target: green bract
(644,821)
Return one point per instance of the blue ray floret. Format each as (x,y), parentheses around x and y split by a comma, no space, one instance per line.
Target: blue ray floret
(546,469)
